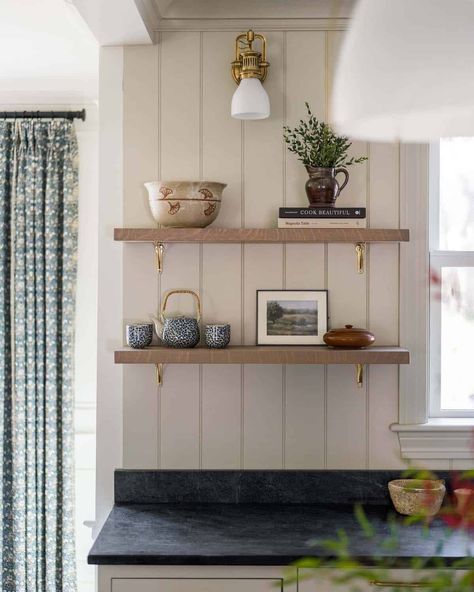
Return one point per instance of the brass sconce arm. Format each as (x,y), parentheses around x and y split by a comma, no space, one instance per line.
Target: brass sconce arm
(248,62)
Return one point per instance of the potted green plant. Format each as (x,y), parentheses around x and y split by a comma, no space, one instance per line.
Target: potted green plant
(324,155)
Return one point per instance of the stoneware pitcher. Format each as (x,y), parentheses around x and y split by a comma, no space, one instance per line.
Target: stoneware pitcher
(322,187)
(178,331)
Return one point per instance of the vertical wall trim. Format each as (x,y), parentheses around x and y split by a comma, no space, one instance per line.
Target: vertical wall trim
(242,174)
(283,143)
(242,293)
(283,416)
(367,415)
(326,271)
(159,41)
(284,250)
(242,409)
(367,314)
(201,104)
(201,246)
(399,250)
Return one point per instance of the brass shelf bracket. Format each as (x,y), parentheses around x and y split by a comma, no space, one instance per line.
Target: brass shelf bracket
(359,375)
(360,249)
(159,374)
(159,253)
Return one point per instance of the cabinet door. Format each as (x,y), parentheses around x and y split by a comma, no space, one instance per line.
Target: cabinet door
(396,579)
(196,585)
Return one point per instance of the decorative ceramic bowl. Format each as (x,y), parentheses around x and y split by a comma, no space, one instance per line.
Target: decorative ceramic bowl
(185,204)
(417,496)
(349,337)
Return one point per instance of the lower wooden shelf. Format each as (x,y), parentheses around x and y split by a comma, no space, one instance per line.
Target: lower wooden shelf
(263,355)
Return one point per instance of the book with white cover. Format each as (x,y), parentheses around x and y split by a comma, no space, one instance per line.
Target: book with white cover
(322,223)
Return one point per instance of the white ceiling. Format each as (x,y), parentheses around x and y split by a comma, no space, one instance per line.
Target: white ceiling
(46,53)
(49,55)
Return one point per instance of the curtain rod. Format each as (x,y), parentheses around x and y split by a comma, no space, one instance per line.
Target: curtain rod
(43,114)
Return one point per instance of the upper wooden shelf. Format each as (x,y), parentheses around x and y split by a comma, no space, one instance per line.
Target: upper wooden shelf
(261,235)
(263,355)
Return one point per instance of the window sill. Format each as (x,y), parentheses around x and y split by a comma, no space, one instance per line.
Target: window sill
(439,438)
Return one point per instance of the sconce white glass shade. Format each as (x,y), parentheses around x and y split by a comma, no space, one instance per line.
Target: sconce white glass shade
(406,71)
(250,100)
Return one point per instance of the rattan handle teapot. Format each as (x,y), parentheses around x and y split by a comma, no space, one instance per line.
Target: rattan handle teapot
(178,331)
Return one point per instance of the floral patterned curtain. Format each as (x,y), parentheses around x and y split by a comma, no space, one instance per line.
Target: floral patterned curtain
(38,239)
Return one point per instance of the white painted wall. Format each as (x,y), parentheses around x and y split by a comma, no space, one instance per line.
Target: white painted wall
(109,302)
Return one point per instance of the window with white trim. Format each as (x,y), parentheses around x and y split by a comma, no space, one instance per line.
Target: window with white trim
(451,256)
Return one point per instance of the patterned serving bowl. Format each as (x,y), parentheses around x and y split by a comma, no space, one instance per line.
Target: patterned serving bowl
(185,204)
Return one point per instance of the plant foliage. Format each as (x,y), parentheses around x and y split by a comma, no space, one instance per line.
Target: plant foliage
(316,145)
(435,574)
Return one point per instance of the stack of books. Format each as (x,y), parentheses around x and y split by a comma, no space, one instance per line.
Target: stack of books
(315,217)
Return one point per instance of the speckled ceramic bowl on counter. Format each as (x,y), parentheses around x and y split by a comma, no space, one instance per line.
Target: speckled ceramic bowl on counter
(417,496)
(185,204)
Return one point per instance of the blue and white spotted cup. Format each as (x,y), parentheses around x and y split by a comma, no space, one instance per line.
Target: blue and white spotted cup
(139,335)
(217,335)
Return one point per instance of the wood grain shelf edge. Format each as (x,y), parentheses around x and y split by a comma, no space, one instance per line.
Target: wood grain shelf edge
(263,355)
(261,235)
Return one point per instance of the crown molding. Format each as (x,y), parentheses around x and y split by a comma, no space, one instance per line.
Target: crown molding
(262,24)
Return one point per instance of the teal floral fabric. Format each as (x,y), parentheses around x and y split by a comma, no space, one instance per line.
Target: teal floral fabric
(38,250)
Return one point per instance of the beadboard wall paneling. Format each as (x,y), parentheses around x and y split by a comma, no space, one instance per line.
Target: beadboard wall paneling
(305,266)
(177,124)
(180,131)
(263,417)
(383,446)
(263,386)
(222,417)
(221,271)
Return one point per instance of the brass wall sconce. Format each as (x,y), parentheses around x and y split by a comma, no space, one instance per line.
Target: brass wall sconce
(249,70)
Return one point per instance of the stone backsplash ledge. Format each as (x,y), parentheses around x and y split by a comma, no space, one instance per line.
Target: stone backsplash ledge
(254,487)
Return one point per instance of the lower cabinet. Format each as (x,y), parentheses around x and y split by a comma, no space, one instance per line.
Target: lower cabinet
(193,579)
(123,578)
(195,585)
(394,580)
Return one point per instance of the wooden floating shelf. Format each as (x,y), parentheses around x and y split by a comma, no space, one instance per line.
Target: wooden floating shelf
(263,355)
(261,235)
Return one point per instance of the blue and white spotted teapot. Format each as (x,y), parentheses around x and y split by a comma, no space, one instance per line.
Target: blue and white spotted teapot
(178,330)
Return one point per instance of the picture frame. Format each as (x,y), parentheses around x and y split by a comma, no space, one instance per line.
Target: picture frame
(291,317)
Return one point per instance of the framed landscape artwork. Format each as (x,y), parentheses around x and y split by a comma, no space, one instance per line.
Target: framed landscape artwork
(291,317)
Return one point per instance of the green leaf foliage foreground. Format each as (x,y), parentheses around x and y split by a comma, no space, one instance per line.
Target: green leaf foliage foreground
(432,574)
(316,145)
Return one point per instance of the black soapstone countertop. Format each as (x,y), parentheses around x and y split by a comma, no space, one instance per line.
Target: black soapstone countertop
(262,518)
